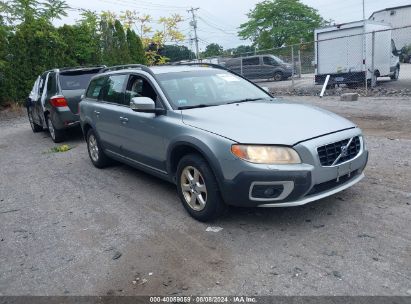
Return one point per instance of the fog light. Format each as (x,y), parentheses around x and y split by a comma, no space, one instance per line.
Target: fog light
(267,191)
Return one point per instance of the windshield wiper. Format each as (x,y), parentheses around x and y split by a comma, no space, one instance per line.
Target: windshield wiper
(197,106)
(244,100)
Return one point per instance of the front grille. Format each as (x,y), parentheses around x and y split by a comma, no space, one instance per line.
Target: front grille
(328,154)
(333,183)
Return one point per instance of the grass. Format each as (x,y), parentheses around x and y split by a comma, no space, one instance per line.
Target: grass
(61,149)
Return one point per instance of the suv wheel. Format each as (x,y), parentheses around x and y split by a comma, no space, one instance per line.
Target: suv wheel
(35,127)
(396,74)
(95,151)
(198,189)
(56,135)
(278,76)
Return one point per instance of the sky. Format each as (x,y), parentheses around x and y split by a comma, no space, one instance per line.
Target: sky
(218,20)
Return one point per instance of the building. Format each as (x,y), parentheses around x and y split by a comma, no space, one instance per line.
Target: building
(397,17)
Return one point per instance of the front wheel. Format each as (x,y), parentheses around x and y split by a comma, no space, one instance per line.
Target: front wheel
(396,74)
(198,189)
(35,127)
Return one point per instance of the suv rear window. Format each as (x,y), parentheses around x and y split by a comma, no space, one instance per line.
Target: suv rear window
(75,81)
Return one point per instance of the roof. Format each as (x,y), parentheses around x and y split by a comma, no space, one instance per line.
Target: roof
(390,9)
(177,68)
(329,28)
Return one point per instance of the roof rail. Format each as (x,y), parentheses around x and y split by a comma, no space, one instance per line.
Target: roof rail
(129,66)
(80,67)
(213,65)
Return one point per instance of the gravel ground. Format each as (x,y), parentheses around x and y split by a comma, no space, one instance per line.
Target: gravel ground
(305,86)
(67,228)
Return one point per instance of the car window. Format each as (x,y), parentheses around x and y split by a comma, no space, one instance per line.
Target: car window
(270,61)
(42,84)
(113,89)
(51,84)
(251,61)
(75,81)
(208,87)
(138,86)
(95,86)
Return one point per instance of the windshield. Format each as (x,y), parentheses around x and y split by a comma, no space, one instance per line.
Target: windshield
(208,88)
(75,81)
(278,59)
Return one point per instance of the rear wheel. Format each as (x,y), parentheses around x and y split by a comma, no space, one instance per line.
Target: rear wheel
(198,189)
(278,76)
(35,127)
(56,135)
(95,151)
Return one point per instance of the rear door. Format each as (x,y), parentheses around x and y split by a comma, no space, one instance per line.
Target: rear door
(108,106)
(268,67)
(340,51)
(73,84)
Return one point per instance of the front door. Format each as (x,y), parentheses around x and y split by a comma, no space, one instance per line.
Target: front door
(252,68)
(144,141)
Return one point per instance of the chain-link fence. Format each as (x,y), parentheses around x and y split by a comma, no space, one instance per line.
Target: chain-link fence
(368,57)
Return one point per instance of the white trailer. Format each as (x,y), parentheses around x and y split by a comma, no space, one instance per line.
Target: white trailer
(353,52)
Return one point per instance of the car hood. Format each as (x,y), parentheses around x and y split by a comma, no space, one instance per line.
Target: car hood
(266,122)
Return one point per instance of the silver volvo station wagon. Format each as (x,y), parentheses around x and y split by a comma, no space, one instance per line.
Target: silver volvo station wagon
(220,138)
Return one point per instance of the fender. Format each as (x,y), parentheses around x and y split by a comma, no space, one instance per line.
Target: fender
(199,145)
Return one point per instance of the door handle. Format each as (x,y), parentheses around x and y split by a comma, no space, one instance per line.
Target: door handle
(124,120)
(97,113)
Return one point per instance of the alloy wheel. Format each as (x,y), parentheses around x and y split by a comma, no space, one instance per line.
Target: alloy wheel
(93,148)
(31,119)
(51,128)
(194,188)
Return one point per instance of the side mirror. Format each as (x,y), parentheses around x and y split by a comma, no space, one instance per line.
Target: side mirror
(28,103)
(82,97)
(145,105)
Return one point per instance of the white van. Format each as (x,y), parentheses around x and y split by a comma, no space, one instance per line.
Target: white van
(353,52)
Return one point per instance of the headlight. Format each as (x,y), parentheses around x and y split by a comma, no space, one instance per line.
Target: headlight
(266,154)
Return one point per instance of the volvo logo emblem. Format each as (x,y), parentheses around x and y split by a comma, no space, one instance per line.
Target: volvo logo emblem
(344,151)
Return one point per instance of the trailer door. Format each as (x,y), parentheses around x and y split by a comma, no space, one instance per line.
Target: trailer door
(340,51)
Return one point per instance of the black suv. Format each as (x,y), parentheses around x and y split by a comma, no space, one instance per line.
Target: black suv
(53,101)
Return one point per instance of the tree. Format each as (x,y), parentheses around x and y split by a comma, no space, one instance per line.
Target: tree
(3,58)
(275,23)
(121,50)
(240,50)
(212,50)
(35,47)
(135,47)
(176,52)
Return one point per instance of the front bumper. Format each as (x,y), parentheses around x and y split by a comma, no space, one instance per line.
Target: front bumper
(309,181)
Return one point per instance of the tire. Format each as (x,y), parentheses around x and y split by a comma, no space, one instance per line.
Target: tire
(207,204)
(56,135)
(396,74)
(278,76)
(35,127)
(95,150)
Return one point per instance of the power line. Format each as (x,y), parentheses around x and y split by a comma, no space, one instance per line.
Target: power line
(216,27)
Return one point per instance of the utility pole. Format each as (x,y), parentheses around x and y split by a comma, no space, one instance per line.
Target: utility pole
(363,9)
(193,23)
